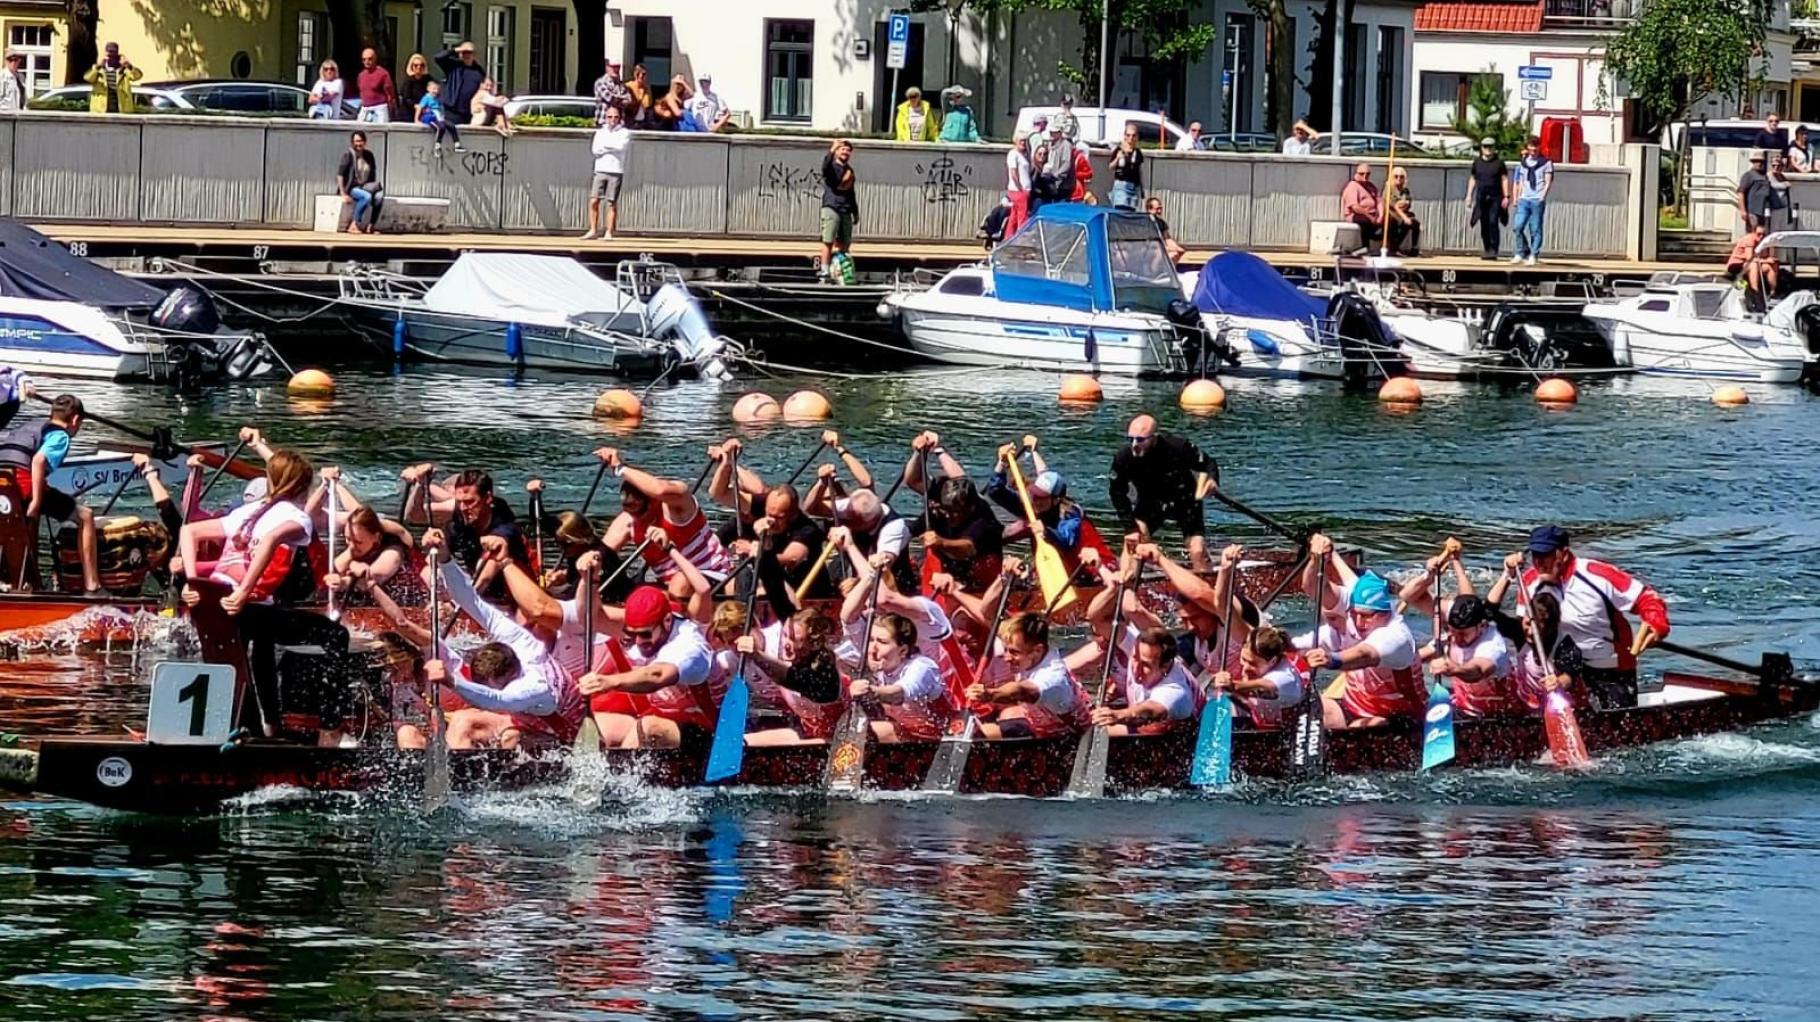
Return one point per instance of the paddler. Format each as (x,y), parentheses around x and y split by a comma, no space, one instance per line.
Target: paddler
(663,688)
(1470,655)
(797,539)
(1556,665)
(468,509)
(648,503)
(1157,692)
(798,656)
(871,527)
(1366,640)
(1594,598)
(1270,680)
(34,451)
(904,682)
(384,547)
(516,692)
(934,629)
(1200,605)
(963,534)
(1027,691)
(1158,478)
(1064,521)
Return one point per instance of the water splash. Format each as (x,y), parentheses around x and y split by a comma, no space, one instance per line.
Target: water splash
(593,798)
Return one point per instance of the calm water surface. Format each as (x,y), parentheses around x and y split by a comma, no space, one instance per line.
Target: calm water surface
(1674,883)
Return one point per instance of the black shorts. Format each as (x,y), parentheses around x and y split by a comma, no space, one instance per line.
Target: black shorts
(1610,688)
(1182,509)
(57,505)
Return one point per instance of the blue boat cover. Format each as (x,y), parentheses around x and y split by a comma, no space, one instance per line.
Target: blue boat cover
(32,266)
(1241,284)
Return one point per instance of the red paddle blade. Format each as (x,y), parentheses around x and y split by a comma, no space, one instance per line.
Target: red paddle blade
(1565,742)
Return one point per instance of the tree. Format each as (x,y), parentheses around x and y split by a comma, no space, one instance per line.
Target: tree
(1488,116)
(1167,27)
(1279,100)
(80,52)
(1320,75)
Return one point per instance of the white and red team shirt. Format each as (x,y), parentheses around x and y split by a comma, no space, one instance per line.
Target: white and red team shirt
(692,699)
(1289,676)
(543,699)
(695,538)
(1061,705)
(927,707)
(1594,599)
(763,691)
(1494,694)
(1393,686)
(1175,691)
(245,527)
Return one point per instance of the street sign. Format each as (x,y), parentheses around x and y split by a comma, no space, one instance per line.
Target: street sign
(1534,91)
(1534,73)
(898,42)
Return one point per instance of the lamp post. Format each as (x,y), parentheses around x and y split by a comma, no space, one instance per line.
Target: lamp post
(955,7)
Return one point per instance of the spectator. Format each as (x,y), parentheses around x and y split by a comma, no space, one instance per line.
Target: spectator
(1083,178)
(840,206)
(958,124)
(461,78)
(431,114)
(378,96)
(1488,196)
(916,121)
(1534,175)
(1778,195)
(1128,171)
(709,112)
(1359,204)
(327,94)
(672,108)
(415,86)
(1301,140)
(357,179)
(1070,125)
(1400,210)
(1760,272)
(111,83)
(489,107)
(1773,137)
(1754,193)
(1039,134)
(1190,142)
(611,140)
(610,94)
(638,115)
(1796,157)
(1054,163)
(1017,184)
(12,85)
(1154,207)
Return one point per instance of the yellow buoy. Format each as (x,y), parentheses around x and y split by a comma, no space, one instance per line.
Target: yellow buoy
(1080,387)
(618,403)
(757,407)
(1400,390)
(807,406)
(311,383)
(1730,396)
(1203,396)
(1557,391)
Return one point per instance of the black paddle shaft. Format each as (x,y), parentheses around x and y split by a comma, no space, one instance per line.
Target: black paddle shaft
(1297,536)
(1776,668)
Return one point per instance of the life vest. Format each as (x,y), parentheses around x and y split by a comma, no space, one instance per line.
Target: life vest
(293,575)
(571,708)
(20,443)
(901,568)
(926,721)
(694,538)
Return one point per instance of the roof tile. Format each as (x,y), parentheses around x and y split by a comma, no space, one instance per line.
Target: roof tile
(1522,16)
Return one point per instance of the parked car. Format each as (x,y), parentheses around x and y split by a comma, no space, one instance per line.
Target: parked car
(249,99)
(551,106)
(1106,128)
(1729,133)
(1368,143)
(1240,142)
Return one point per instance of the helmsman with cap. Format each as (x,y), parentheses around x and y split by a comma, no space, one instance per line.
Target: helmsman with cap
(1364,638)
(1595,597)
(654,681)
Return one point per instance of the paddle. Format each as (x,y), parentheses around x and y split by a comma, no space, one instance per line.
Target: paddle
(114,498)
(1088,778)
(950,762)
(1437,727)
(163,447)
(593,488)
(537,551)
(846,767)
(587,737)
(800,469)
(209,483)
(1566,745)
(436,753)
(815,570)
(1212,766)
(1308,738)
(1297,536)
(728,753)
(334,532)
(1775,668)
(1052,572)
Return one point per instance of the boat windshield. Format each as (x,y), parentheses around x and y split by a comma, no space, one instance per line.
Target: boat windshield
(1051,251)
(1142,276)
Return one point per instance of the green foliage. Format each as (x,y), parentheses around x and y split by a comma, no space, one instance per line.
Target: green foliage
(1171,29)
(552,121)
(1488,116)
(1679,52)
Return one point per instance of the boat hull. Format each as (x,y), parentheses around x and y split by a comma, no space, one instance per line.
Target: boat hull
(973,338)
(477,342)
(66,339)
(1716,354)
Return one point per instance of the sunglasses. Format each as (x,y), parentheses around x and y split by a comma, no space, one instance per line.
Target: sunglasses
(641,634)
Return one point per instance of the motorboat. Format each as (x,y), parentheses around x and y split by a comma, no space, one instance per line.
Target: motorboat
(542,312)
(61,315)
(1700,326)
(1260,324)
(1078,288)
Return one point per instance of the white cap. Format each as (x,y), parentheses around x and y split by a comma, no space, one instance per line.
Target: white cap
(255,491)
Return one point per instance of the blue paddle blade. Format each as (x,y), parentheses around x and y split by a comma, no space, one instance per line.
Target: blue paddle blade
(1437,730)
(1213,745)
(728,753)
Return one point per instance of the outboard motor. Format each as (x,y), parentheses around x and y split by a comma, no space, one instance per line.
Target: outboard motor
(187,309)
(1364,339)
(246,358)
(1202,350)
(677,317)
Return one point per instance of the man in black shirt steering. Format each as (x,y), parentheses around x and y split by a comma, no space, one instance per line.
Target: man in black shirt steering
(1159,477)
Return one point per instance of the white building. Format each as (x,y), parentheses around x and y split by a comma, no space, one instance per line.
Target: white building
(1458,42)
(820,64)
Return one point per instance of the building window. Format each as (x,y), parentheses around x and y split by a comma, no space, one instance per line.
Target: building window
(1390,75)
(499,47)
(651,49)
(312,44)
(455,21)
(789,69)
(32,42)
(1445,96)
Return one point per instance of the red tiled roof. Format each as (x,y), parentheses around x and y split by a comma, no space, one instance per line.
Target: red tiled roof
(1483,16)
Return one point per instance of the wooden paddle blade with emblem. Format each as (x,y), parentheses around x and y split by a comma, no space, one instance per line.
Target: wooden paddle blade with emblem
(728,753)
(950,762)
(1212,765)
(1437,730)
(1565,743)
(846,770)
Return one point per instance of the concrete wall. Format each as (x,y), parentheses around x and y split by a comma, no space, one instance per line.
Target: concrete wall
(219,170)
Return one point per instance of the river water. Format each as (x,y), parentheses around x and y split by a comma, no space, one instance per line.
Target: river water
(1672,883)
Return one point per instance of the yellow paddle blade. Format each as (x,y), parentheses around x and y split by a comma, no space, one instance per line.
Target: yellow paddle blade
(1052,574)
(1335,688)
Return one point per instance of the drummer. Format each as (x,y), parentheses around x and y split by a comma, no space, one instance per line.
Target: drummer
(35,451)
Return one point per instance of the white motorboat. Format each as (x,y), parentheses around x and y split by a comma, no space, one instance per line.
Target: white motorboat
(543,312)
(1262,325)
(61,315)
(1698,326)
(1077,289)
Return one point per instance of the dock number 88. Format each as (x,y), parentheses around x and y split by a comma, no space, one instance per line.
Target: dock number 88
(79,249)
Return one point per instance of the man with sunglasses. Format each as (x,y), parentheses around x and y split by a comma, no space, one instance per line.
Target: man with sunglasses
(1595,597)
(1158,478)
(665,686)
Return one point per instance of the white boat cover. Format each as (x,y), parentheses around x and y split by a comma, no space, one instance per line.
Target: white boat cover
(531,289)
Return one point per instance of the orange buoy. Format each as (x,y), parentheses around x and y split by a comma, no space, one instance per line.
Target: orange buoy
(807,406)
(1203,396)
(757,407)
(1730,396)
(311,383)
(618,403)
(1081,387)
(1557,391)
(1400,390)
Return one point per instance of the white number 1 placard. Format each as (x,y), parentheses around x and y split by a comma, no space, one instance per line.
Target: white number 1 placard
(192,704)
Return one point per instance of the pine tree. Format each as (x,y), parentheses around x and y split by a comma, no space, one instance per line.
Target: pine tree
(1488,116)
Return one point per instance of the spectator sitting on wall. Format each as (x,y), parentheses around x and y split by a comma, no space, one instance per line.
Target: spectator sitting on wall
(1301,140)
(916,121)
(610,93)
(328,92)
(461,78)
(1359,204)
(638,112)
(958,124)
(431,114)
(357,179)
(12,85)
(1759,272)
(673,107)
(709,112)
(1190,142)
(489,107)
(111,83)
(1401,213)
(414,87)
(1154,207)
(374,85)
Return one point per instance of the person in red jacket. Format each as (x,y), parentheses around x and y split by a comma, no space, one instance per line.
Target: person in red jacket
(1595,597)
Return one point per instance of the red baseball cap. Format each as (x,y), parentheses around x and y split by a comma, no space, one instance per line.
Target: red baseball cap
(647,607)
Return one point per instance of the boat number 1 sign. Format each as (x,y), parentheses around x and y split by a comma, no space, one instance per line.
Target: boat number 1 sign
(192,704)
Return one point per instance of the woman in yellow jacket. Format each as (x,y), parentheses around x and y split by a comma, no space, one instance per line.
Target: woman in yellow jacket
(111,83)
(917,121)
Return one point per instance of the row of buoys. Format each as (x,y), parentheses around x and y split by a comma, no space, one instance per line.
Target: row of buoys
(754,408)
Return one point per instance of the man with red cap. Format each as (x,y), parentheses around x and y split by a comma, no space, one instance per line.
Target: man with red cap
(662,685)
(1594,598)
(649,502)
